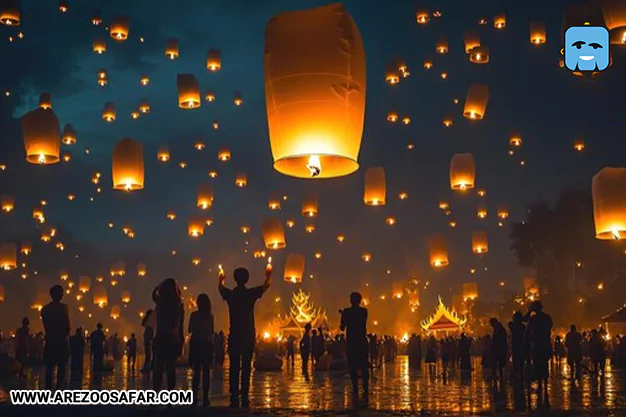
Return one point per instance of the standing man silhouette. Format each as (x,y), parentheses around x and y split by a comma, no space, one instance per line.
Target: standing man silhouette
(56,323)
(242,334)
(354,323)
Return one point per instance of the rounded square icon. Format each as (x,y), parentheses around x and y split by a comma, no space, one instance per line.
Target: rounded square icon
(587,48)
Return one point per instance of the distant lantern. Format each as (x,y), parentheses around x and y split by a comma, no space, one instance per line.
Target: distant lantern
(144,107)
(103,77)
(479,55)
(309,206)
(273,203)
(366,256)
(515,140)
(422,17)
(392,117)
(479,242)
(442,46)
(145,80)
(290,223)
(579,144)
(126,298)
(205,196)
(116,311)
(171,215)
(163,154)
(223,155)
(195,226)
(99,46)
(448,121)
(481,211)
(171,48)
(499,21)
(614,12)
(42,137)
(309,228)
(241,180)
(63,7)
(209,96)
(7,203)
(428,64)
(45,101)
(294,268)
(392,75)
(503,212)
(469,291)
(472,40)
(119,28)
(10,13)
(390,221)
(8,256)
(117,269)
(141,269)
(375,193)
(188,91)
(406,120)
(26,247)
(128,165)
(462,171)
(273,233)
(609,203)
(109,112)
(96,19)
(214,60)
(438,251)
(100,297)
(315,122)
(537,33)
(476,102)
(84,284)
(47,232)
(238,99)
(69,135)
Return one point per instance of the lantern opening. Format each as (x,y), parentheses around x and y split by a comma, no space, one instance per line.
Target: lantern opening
(314,166)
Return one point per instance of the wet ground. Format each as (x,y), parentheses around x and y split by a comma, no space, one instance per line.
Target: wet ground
(395,390)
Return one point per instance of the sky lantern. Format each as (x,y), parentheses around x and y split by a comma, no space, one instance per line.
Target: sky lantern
(472,40)
(309,228)
(99,46)
(503,212)
(375,193)
(128,169)
(109,112)
(537,33)
(209,96)
(422,17)
(238,99)
(479,242)
(84,284)
(116,311)
(442,46)
(39,215)
(47,232)
(205,196)
(103,77)
(171,48)
(126,297)
(273,233)
(309,206)
(214,60)
(188,91)
(579,144)
(145,80)
(100,297)
(7,203)
(476,101)
(392,116)
(96,19)
(294,268)
(481,211)
(117,269)
(462,171)
(438,251)
(290,223)
(8,256)
(119,28)
(274,203)
(144,107)
(241,180)
(10,13)
(195,226)
(163,154)
(609,203)
(479,55)
(63,7)
(141,269)
(42,136)
(499,21)
(515,140)
(469,291)
(614,12)
(69,135)
(223,155)
(392,74)
(26,247)
(315,122)
(45,101)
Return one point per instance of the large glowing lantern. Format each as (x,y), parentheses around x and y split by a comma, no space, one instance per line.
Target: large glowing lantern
(119,28)
(469,291)
(8,256)
(309,206)
(480,244)
(10,13)
(188,91)
(100,297)
(609,203)
(195,226)
(171,48)
(614,12)
(273,233)
(294,268)
(42,137)
(537,33)
(84,284)
(116,311)
(462,171)
(205,196)
(438,251)
(315,92)
(375,193)
(472,40)
(7,204)
(109,112)
(476,101)
(128,169)
(214,60)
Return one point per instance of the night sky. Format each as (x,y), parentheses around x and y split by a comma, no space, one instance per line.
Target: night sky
(529,93)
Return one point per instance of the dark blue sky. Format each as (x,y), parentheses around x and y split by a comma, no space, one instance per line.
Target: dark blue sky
(529,93)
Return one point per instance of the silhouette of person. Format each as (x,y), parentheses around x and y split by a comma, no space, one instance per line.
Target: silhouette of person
(56,323)
(168,340)
(148,339)
(539,332)
(305,347)
(97,339)
(318,346)
(242,334)
(77,351)
(201,324)
(518,348)
(465,345)
(574,345)
(131,352)
(498,348)
(22,336)
(354,323)
(291,350)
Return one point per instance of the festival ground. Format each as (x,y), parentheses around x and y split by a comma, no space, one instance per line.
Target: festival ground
(396,390)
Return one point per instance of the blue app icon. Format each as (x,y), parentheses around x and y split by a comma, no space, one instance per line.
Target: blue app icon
(587,48)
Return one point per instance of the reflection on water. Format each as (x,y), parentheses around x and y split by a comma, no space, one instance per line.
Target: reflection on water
(395,387)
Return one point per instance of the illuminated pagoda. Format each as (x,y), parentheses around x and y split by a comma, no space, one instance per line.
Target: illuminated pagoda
(301,312)
(443,321)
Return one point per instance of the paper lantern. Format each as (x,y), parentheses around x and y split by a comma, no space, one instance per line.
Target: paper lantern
(209,96)
(515,140)
(422,17)
(214,60)
(163,154)
(579,144)
(309,228)
(26,248)
(69,135)
(238,99)
(96,19)
(375,187)
(476,102)
(117,269)
(7,204)
(614,12)
(469,291)
(462,171)
(205,196)
(42,137)
(195,226)
(537,33)
(145,80)
(144,107)
(472,40)
(99,46)
(84,284)
(188,91)
(126,297)
(171,48)
(609,203)
(109,112)
(499,21)
(438,251)
(481,211)
(10,13)
(503,212)
(273,233)
(171,215)
(479,242)
(141,269)
(273,204)
(128,170)
(390,221)
(309,206)
(241,180)
(442,46)
(116,311)
(47,232)
(428,64)
(294,268)
(100,297)
(119,28)
(392,75)
(1,293)
(8,256)
(315,92)
(392,117)
(479,55)
(63,7)
(223,155)
(45,101)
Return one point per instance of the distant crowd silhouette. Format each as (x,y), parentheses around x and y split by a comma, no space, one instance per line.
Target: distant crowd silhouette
(528,346)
